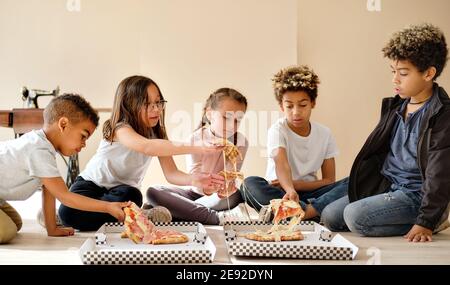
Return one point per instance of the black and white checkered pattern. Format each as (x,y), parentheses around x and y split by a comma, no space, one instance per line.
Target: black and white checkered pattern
(96,256)
(240,247)
(187,224)
(289,251)
(143,257)
(259,223)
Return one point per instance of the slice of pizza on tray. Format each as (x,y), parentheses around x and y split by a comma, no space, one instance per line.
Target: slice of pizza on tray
(141,230)
(282,209)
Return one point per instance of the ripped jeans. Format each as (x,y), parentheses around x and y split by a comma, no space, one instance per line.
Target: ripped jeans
(389,214)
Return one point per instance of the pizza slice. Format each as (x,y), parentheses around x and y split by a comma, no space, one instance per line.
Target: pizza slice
(284,209)
(140,229)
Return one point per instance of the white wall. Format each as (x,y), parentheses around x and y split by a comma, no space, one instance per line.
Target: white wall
(190,48)
(342,41)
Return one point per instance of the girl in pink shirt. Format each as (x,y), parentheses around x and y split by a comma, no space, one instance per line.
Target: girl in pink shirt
(222,114)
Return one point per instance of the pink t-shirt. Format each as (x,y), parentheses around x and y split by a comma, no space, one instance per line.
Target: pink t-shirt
(213,163)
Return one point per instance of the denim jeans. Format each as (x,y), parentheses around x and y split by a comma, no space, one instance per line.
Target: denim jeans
(389,214)
(259,192)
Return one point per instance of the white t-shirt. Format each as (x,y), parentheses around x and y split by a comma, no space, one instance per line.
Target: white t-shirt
(305,154)
(115,164)
(23,162)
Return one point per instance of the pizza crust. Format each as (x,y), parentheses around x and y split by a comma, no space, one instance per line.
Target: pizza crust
(171,239)
(297,235)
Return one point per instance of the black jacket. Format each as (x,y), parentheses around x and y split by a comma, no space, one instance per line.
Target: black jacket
(433,158)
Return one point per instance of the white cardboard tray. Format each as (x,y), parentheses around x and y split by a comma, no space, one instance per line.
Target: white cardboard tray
(319,243)
(109,248)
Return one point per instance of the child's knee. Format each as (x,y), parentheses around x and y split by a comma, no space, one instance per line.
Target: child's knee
(332,220)
(252,183)
(8,229)
(134,195)
(355,219)
(152,194)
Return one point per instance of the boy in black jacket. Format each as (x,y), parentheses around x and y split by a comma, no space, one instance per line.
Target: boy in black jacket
(399,182)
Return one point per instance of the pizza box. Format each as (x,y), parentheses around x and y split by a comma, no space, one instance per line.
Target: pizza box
(318,243)
(109,248)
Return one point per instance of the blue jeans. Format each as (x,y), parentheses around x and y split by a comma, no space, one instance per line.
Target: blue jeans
(259,192)
(389,214)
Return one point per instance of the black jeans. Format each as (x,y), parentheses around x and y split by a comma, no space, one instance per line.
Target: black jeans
(92,221)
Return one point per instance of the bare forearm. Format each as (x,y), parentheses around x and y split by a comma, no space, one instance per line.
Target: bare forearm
(49,212)
(178,177)
(283,172)
(83,203)
(158,147)
(306,186)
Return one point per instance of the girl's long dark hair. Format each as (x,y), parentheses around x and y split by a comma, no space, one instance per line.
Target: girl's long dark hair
(130,99)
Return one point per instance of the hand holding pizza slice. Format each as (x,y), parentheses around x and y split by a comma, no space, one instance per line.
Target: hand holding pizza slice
(140,229)
(282,209)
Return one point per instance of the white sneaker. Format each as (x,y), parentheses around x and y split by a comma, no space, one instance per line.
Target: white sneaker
(237,214)
(158,214)
(41,220)
(265,214)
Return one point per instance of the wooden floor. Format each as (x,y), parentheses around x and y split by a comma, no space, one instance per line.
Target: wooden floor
(32,246)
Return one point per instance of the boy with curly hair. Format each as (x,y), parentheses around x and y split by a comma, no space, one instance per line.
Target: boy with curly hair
(398,183)
(297,149)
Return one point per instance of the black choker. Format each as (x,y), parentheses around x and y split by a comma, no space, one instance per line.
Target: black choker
(418,103)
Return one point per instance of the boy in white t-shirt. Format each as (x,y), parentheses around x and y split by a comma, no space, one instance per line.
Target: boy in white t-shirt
(29,163)
(297,149)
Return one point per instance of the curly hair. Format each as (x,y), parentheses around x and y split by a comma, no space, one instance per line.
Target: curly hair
(295,78)
(72,106)
(422,45)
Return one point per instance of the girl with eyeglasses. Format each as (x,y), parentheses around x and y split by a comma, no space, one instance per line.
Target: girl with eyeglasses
(134,134)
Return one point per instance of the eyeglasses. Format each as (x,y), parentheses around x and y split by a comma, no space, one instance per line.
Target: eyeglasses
(159,105)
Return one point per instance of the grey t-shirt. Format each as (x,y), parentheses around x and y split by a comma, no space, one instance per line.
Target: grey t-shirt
(23,162)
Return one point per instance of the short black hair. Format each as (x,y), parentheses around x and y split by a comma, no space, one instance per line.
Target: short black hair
(422,45)
(72,106)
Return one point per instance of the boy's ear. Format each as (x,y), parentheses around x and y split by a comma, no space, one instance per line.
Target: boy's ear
(281,106)
(430,73)
(63,122)
(313,104)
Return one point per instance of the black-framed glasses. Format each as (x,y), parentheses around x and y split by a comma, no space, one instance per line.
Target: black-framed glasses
(160,105)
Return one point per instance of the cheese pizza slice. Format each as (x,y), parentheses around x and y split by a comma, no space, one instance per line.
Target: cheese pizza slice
(140,229)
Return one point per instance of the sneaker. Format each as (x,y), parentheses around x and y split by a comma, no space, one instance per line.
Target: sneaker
(265,214)
(41,220)
(147,206)
(158,214)
(237,214)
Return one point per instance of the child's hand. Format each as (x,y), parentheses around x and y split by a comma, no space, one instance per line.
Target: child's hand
(211,149)
(291,195)
(223,192)
(209,182)
(275,183)
(419,234)
(115,209)
(60,232)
